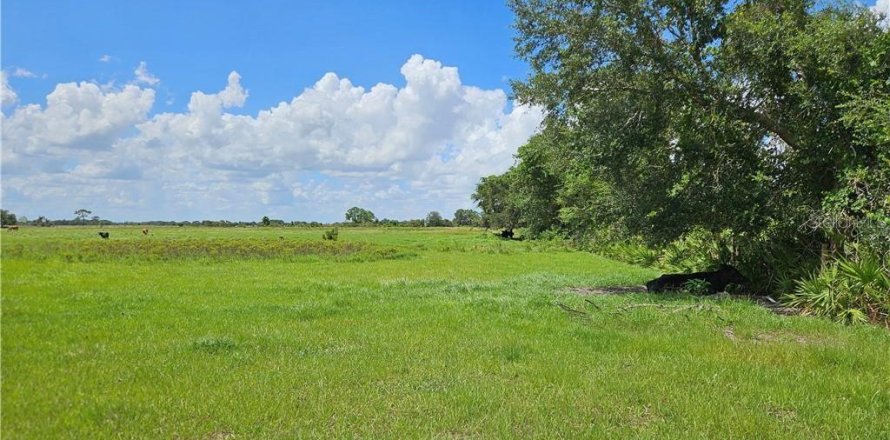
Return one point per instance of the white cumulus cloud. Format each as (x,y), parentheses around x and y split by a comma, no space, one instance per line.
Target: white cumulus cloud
(399,151)
(23,73)
(78,120)
(143,76)
(7,94)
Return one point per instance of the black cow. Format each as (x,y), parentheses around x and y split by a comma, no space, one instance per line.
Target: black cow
(507,233)
(717,280)
(104,235)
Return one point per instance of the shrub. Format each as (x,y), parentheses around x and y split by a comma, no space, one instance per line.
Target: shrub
(696,287)
(696,250)
(847,290)
(632,252)
(331,234)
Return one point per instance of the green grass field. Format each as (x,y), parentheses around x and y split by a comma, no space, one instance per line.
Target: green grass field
(391,333)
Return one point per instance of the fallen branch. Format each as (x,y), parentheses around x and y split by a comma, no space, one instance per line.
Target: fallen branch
(572,311)
(593,304)
(670,308)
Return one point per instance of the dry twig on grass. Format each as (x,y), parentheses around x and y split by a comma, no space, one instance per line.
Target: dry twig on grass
(665,307)
(593,304)
(574,312)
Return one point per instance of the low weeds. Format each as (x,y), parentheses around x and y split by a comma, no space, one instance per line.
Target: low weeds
(203,248)
(214,345)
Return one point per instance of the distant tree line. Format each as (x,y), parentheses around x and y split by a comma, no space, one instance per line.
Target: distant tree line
(354,217)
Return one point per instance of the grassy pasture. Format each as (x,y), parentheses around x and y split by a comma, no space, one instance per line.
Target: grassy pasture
(392,333)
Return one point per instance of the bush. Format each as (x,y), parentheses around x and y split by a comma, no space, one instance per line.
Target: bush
(632,252)
(697,250)
(697,287)
(331,234)
(847,290)
(694,251)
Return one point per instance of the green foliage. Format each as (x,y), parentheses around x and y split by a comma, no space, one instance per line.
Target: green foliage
(7,218)
(696,287)
(82,214)
(753,132)
(467,217)
(852,291)
(536,184)
(631,251)
(331,234)
(360,216)
(266,221)
(434,219)
(697,250)
(496,196)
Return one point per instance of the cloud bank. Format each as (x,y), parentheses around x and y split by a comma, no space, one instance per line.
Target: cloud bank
(399,151)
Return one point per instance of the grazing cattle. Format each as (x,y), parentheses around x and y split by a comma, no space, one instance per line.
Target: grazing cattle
(104,235)
(13,227)
(717,280)
(144,231)
(507,233)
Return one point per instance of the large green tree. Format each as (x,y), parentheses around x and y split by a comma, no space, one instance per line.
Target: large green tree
(496,196)
(716,115)
(539,176)
(360,215)
(7,218)
(434,219)
(467,217)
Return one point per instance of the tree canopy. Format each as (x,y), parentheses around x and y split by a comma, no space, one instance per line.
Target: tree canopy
(7,218)
(467,217)
(495,196)
(434,219)
(82,214)
(360,216)
(766,119)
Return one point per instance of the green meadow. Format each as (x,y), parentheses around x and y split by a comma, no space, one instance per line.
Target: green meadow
(213,333)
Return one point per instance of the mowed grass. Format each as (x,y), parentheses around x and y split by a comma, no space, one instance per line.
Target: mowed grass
(394,333)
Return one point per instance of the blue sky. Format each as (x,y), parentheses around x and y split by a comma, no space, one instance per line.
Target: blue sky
(133,67)
(279,47)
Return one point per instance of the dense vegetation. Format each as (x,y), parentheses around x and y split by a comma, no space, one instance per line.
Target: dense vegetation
(272,332)
(692,133)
